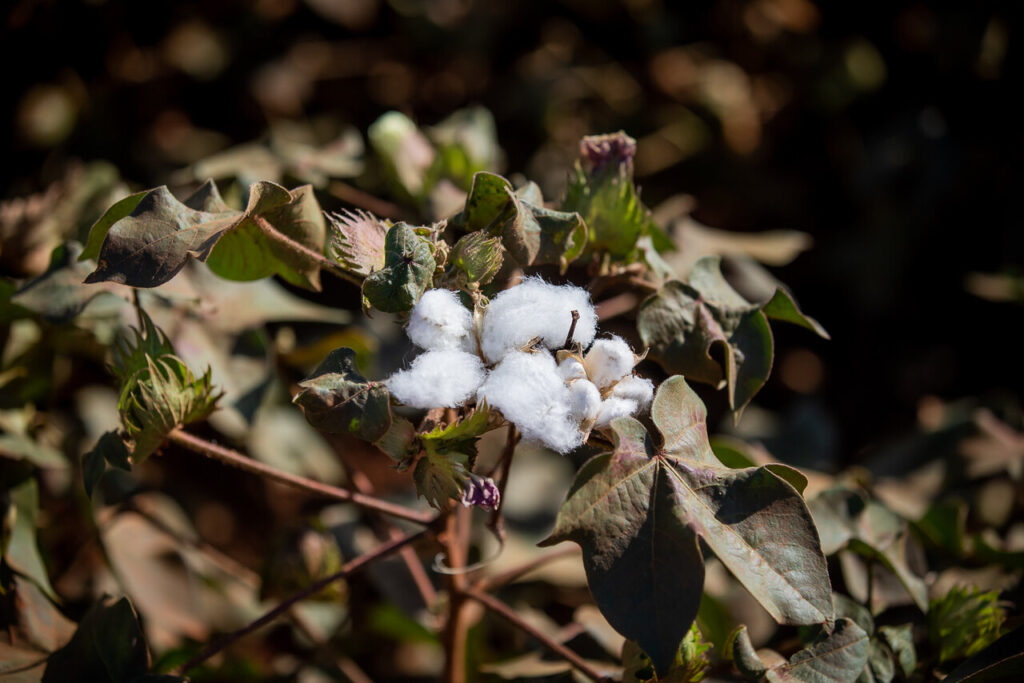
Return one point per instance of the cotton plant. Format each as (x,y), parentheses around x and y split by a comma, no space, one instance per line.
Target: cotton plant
(525,355)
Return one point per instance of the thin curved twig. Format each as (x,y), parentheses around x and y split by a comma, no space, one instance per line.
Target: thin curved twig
(236,459)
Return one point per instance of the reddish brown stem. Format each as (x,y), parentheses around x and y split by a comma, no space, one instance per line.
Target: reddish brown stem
(311,255)
(347,570)
(491,582)
(236,459)
(501,609)
(454,637)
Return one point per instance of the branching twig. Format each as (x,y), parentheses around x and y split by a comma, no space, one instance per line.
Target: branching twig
(501,609)
(495,523)
(347,570)
(456,545)
(572,329)
(236,459)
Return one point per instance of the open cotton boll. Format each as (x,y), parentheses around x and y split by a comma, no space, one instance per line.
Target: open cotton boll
(535,308)
(612,408)
(571,369)
(608,361)
(529,392)
(585,400)
(635,389)
(439,321)
(438,379)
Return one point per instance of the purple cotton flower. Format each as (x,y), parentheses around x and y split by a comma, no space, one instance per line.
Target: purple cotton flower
(481,491)
(601,151)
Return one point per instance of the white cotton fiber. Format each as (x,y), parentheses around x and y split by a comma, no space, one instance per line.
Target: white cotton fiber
(529,392)
(612,408)
(439,322)
(438,379)
(608,361)
(585,400)
(571,369)
(635,389)
(535,308)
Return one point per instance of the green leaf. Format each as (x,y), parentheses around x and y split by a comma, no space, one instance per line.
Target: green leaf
(459,436)
(539,236)
(59,295)
(602,191)
(487,204)
(337,399)
(900,640)
(879,664)
(275,235)
(836,657)
(709,333)
(1001,661)
(744,657)
(441,477)
(107,646)
(477,257)
(278,232)
(161,397)
(357,241)
(407,273)
(782,307)
(964,622)
(109,449)
(98,232)
(638,512)
(22,551)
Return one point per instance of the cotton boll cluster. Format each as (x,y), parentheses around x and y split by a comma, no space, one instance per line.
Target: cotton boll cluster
(553,396)
(438,379)
(535,309)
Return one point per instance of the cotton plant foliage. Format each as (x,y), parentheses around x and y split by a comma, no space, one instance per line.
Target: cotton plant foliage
(552,395)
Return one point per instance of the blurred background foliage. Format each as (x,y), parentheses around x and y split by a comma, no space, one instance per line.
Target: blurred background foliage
(886,134)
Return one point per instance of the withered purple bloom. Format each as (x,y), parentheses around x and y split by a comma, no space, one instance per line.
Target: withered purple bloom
(481,491)
(614,149)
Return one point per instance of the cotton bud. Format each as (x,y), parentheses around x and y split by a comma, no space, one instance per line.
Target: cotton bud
(439,322)
(535,309)
(438,379)
(608,361)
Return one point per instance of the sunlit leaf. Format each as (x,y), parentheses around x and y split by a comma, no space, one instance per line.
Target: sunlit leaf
(276,233)
(120,209)
(441,477)
(408,271)
(1003,660)
(964,622)
(337,399)
(638,512)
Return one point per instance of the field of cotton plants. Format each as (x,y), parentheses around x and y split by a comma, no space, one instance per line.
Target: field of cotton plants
(393,340)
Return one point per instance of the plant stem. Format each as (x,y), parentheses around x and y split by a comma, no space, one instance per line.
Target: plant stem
(347,570)
(490,582)
(456,628)
(236,459)
(501,609)
(309,254)
(572,329)
(495,523)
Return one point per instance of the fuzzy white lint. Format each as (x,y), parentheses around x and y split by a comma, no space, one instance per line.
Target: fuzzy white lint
(613,407)
(636,389)
(438,379)
(535,308)
(529,392)
(586,400)
(571,369)
(440,322)
(608,361)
